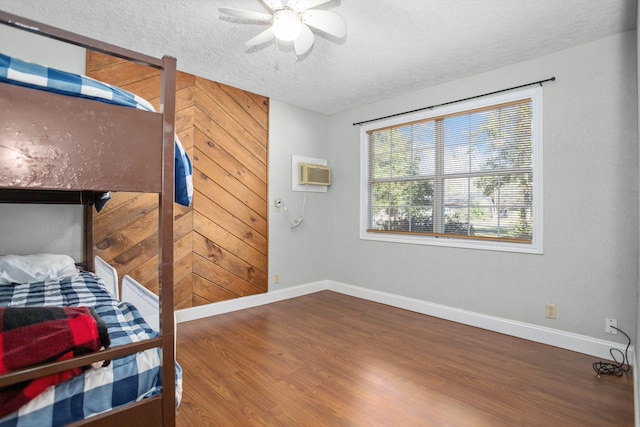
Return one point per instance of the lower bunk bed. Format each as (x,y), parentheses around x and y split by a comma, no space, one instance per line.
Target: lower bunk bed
(98,388)
(59,148)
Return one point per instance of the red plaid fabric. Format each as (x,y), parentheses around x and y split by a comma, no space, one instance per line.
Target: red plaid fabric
(34,335)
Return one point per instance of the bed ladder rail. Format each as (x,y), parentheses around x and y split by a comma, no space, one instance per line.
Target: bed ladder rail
(34,372)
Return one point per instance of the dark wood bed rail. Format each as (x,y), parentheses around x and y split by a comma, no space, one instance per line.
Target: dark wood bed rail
(8,195)
(50,368)
(145,413)
(150,169)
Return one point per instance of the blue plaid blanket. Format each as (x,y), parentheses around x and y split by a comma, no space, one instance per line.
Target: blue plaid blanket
(127,379)
(18,72)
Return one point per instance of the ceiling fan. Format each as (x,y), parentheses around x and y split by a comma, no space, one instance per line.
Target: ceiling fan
(291,22)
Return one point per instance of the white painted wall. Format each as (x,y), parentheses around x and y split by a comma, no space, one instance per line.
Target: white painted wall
(590,265)
(44,51)
(53,229)
(636,399)
(298,255)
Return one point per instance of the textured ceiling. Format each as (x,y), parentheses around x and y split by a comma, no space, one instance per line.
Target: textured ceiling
(391,47)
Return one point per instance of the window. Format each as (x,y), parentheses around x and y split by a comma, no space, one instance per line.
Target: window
(468,176)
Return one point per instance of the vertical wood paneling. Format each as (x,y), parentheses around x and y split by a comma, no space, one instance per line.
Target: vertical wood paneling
(220,242)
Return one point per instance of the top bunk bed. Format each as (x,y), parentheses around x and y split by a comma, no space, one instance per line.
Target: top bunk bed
(56,148)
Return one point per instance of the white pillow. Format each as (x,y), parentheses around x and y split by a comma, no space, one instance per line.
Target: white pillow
(35,268)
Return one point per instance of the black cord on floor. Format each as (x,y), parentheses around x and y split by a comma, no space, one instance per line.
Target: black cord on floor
(617,368)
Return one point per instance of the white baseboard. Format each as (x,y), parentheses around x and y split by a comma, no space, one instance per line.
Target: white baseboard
(557,338)
(636,403)
(242,303)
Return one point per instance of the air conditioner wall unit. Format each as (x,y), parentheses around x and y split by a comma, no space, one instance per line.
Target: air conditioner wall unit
(311,174)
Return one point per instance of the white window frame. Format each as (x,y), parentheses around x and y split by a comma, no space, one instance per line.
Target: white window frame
(535,247)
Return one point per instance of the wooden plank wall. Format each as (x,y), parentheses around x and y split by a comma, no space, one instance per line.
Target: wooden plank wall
(220,242)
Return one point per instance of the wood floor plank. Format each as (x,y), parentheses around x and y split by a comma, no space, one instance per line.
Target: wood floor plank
(334,360)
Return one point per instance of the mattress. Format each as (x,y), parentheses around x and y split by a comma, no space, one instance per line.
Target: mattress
(124,380)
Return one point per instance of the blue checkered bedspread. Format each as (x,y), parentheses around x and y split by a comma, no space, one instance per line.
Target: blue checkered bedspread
(22,73)
(127,379)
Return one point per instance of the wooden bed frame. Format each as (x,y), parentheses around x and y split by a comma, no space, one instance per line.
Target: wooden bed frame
(70,148)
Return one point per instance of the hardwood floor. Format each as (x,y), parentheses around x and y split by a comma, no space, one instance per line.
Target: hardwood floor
(328,359)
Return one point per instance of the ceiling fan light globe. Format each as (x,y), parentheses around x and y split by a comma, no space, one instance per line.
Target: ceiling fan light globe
(286,25)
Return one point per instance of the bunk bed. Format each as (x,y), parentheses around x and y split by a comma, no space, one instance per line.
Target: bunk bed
(60,149)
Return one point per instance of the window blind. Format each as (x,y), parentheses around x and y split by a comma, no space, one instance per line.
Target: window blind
(468,174)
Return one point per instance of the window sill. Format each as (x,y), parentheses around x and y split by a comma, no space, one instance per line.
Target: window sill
(452,241)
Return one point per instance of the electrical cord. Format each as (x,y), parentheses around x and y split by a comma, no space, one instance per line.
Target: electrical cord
(296,222)
(617,368)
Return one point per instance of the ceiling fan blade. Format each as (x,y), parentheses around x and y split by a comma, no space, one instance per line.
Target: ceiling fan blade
(324,20)
(304,41)
(246,14)
(299,5)
(273,4)
(263,37)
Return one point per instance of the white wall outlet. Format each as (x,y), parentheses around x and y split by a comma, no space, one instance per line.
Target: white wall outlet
(609,325)
(276,278)
(550,311)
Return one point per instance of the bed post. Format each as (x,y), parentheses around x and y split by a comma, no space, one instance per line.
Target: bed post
(87,214)
(165,243)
